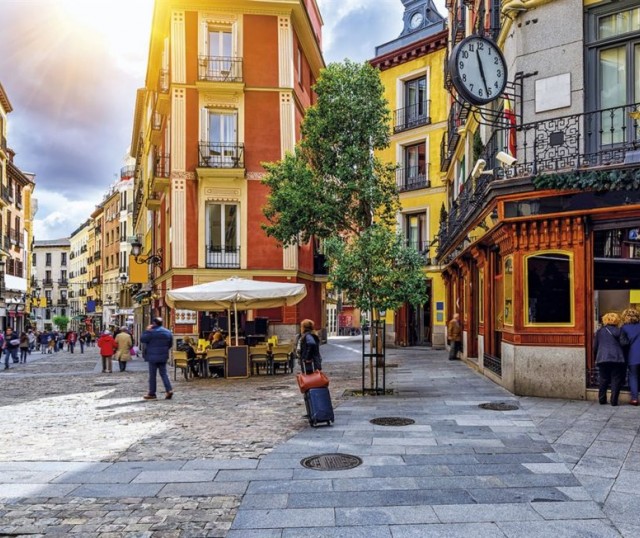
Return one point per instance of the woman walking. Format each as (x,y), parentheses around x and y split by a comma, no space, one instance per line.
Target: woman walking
(607,348)
(107,346)
(631,329)
(24,347)
(124,343)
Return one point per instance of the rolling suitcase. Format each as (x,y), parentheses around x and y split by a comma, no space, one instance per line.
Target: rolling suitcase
(318,404)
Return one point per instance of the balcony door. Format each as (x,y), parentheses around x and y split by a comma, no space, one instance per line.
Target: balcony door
(223,236)
(219,62)
(221,135)
(415,101)
(416,231)
(415,166)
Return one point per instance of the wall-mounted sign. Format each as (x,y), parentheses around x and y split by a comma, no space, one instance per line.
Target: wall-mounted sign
(186,317)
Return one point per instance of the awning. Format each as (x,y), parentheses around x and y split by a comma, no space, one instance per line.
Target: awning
(78,318)
(15,283)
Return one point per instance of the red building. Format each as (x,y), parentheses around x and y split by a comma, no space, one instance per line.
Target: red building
(226,90)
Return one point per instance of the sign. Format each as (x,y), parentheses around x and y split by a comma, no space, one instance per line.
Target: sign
(186,317)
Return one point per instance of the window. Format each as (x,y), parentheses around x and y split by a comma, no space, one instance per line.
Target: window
(613,70)
(415,101)
(549,294)
(222,235)
(63,258)
(63,276)
(33,259)
(415,166)
(416,231)
(222,150)
(47,276)
(48,260)
(218,62)
(508,290)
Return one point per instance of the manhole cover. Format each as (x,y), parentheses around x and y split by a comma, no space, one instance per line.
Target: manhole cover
(274,387)
(499,406)
(392,421)
(331,462)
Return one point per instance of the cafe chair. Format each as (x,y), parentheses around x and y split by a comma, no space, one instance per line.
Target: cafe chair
(180,361)
(281,356)
(259,356)
(217,358)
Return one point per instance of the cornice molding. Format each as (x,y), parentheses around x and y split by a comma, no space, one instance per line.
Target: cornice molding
(411,52)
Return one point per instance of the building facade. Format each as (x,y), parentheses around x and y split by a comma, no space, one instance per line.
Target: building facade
(411,72)
(226,89)
(50,274)
(541,237)
(78,275)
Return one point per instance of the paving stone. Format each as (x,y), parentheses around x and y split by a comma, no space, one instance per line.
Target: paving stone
(485,513)
(116,490)
(202,489)
(265,519)
(568,510)
(385,515)
(338,532)
(559,529)
(451,530)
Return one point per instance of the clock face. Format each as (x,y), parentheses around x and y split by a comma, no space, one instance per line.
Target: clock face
(416,20)
(478,70)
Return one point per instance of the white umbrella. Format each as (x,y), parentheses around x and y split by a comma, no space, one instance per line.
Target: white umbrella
(236,293)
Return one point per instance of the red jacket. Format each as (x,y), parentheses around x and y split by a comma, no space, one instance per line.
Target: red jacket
(107,345)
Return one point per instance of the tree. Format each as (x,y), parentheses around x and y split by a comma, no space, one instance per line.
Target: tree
(61,322)
(335,188)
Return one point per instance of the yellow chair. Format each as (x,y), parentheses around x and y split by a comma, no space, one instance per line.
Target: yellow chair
(217,358)
(281,356)
(259,356)
(180,361)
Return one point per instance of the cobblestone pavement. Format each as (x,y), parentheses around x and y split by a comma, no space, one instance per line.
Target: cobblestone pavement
(83,454)
(60,408)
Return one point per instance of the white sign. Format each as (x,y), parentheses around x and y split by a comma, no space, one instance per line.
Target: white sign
(553,92)
(186,317)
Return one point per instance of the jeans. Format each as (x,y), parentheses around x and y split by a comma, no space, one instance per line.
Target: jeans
(23,354)
(81,346)
(634,371)
(454,348)
(13,352)
(122,365)
(106,364)
(161,367)
(71,346)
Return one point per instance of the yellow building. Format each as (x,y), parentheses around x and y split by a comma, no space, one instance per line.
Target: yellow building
(78,275)
(412,74)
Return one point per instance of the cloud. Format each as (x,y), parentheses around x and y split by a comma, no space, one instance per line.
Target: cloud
(59,215)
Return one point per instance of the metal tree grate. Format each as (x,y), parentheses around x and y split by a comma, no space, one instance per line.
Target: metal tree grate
(392,421)
(331,462)
(499,406)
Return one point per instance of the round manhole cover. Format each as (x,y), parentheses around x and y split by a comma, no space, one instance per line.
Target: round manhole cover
(499,406)
(392,421)
(331,462)
(274,387)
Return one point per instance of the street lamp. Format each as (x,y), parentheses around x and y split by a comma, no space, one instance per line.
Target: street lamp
(151,259)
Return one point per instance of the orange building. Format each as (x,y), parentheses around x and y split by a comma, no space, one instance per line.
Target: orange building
(226,90)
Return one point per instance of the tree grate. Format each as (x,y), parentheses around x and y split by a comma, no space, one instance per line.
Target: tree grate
(274,387)
(499,406)
(331,462)
(392,421)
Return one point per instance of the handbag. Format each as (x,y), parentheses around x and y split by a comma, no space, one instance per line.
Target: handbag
(315,380)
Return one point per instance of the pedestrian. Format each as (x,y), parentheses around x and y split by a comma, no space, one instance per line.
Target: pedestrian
(71,340)
(607,349)
(24,347)
(454,331)
(309,345)
(124,343)
(81,341)
(631,330)
(158,342)
(32,340)
(107,346)
(11,343)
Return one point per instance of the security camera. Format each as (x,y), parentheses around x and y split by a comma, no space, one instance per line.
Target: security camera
(478,168)
(505,158)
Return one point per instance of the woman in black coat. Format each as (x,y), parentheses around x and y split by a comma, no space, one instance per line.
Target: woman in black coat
(309,344)
(607,348)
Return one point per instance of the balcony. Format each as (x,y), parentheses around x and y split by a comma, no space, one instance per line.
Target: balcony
(153,201)
(576,154)
(47,282)
(411,116)
(156,128)
(161,171)
(83,248)
(459,23)
(6,242)
(126,172)
(163,103)
(456,120)
(97,255)
(6,192)
(412,178)
(3,142)
(19,201)
(221,155)
(223,257)
(420,246)
(63,282)
(62,302)
(219,69)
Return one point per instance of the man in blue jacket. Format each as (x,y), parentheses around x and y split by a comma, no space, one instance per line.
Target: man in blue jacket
(158,343)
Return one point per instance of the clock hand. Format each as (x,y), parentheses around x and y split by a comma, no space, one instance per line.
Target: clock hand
(484,80)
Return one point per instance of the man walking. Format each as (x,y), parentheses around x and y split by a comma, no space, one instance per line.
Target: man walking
(159,342)
(11,343)
(454,330)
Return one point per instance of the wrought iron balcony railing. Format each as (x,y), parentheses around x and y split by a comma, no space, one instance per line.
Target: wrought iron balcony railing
(63,282)
(127,171)
(161,167)
(412,116)
(563,147)
(6,194)
(422,247)
(412,178)
(220,68)
(222,257)
(47,282)
(221,155)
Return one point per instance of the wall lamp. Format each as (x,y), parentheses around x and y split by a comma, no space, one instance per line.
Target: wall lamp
(151,259)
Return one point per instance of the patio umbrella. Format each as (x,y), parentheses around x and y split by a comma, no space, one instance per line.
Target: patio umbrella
(237,294)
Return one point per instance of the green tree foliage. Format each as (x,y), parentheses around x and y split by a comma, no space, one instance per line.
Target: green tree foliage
(335,188)
(61,322)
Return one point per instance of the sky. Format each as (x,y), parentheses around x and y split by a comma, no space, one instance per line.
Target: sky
(71,69)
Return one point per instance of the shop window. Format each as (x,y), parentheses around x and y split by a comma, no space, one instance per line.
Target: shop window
(508,290)
(549,293)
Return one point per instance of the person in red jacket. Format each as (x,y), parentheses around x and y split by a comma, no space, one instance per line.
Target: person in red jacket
(108,346)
